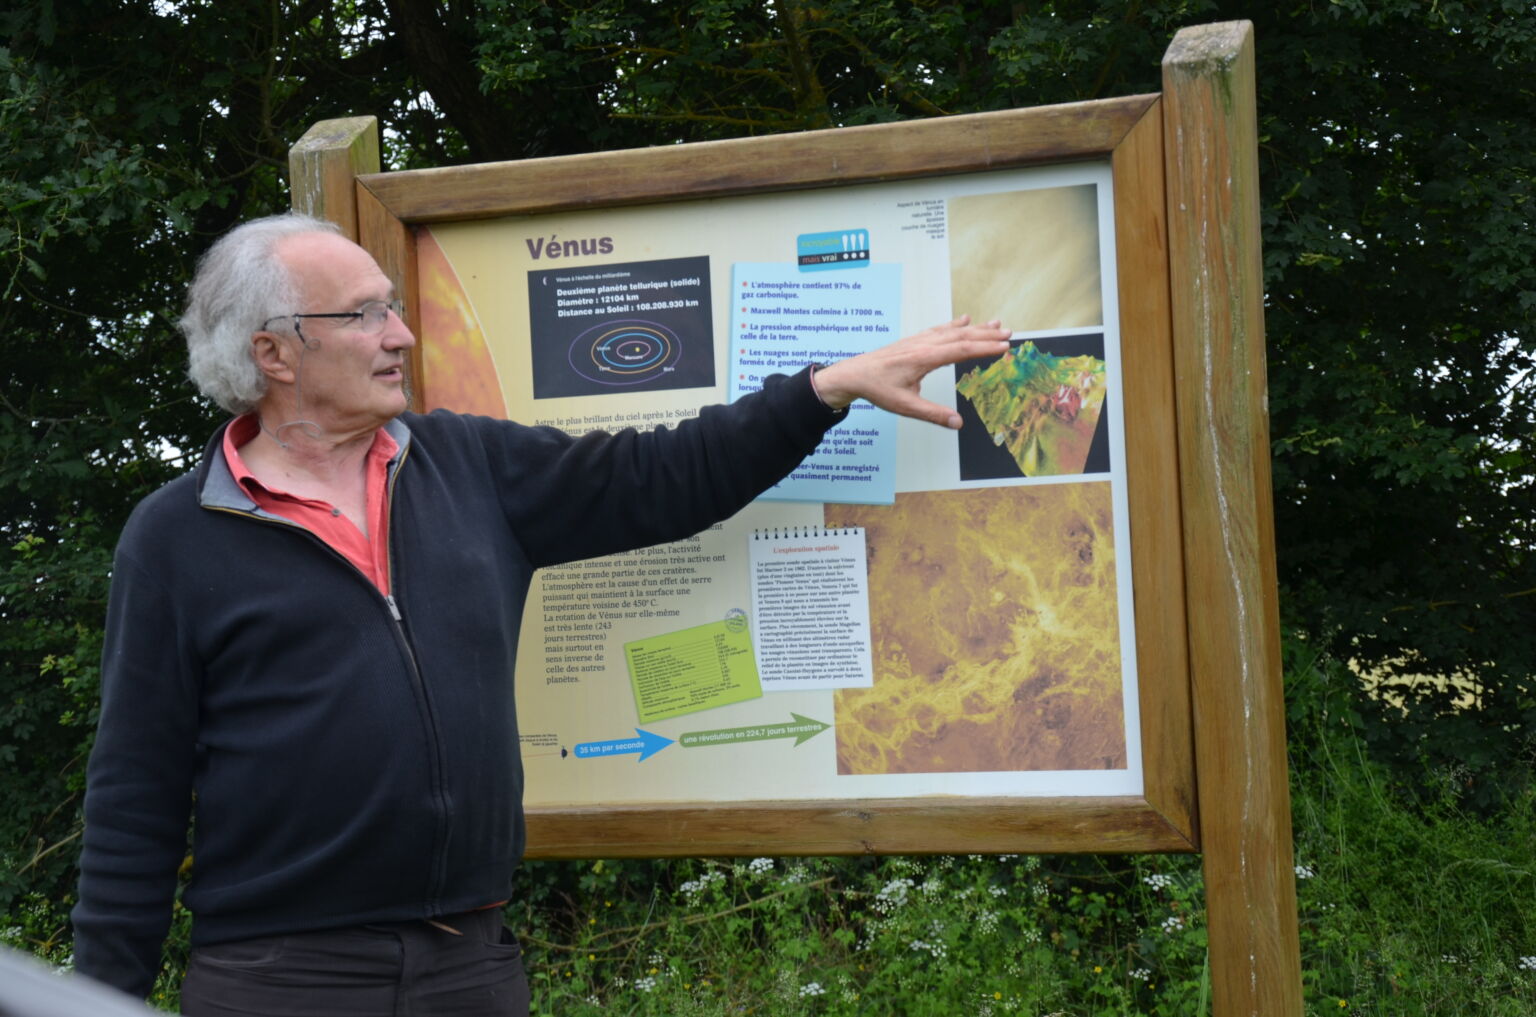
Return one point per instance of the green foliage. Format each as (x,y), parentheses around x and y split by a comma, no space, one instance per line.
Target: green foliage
(85,418)
(49,708)
(1401,271)
(944,935)
(1409,904)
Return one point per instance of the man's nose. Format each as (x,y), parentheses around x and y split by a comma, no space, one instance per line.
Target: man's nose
(397,334)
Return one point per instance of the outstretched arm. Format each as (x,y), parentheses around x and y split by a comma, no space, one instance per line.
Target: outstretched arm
(890,376)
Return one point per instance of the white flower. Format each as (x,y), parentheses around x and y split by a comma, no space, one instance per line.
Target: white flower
(1173,923)
(1528,963)
(998,891)
(645,984)
(1158,881)
(1141,974)
(758,866)
(892,895)
(694,887)
(1305,872)
(812,989)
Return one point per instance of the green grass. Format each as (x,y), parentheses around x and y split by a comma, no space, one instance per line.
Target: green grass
(1412,908)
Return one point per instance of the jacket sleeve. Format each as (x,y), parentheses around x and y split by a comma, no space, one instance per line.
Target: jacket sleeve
(138,786)
(571,498)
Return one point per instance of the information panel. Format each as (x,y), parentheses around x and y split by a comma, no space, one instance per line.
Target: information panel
(915,611)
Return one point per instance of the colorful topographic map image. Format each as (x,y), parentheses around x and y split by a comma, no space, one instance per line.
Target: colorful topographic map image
(994,634)
(1042,408)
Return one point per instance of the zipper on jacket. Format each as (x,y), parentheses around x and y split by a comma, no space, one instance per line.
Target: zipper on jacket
(438,875)
(437,766)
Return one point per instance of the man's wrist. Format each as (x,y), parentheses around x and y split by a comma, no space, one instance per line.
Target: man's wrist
(815,389)
(830,397)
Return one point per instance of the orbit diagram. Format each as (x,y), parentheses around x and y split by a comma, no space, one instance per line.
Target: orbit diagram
(625,352)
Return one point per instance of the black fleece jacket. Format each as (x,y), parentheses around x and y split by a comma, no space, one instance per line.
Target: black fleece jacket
(354,757)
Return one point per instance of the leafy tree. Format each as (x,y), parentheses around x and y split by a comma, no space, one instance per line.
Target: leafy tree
(1402,297)
(90,409)
(128,131)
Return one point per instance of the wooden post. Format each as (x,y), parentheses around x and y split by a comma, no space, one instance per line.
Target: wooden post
(1216,275)
(323,165)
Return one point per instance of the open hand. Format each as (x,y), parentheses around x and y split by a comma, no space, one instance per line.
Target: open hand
(890,376)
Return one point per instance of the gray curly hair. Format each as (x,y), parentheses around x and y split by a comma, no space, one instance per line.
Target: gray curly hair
(240,284)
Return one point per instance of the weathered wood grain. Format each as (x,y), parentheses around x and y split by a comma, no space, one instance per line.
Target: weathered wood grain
(324,164)
(872,826)
(782,162)
(393,245)
(1152,472)
(1211,133)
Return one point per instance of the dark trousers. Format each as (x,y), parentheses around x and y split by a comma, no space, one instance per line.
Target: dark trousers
(398,969)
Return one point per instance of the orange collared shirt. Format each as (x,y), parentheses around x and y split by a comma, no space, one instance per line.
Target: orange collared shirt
(369,554)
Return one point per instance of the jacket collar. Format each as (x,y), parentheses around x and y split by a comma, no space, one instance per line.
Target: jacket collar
(216,486)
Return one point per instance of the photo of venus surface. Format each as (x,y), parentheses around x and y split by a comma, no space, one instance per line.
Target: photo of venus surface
(994,626)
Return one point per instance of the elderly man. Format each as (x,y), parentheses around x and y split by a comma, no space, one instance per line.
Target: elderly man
(310,639)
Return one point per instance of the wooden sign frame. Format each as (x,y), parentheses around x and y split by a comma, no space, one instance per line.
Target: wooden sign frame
(1184,171)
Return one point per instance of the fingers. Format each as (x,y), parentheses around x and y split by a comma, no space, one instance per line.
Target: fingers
(891,376)
(910,405)
(955,342)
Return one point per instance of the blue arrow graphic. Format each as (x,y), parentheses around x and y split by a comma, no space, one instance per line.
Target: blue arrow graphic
(647,745)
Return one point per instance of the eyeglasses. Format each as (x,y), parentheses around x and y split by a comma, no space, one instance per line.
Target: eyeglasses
(370,317)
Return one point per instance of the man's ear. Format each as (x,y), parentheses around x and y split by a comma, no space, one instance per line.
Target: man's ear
(273,356)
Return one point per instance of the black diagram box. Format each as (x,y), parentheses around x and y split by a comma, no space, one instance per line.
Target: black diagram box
(605,329)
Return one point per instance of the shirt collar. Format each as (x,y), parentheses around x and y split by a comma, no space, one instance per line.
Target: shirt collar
(221,486)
